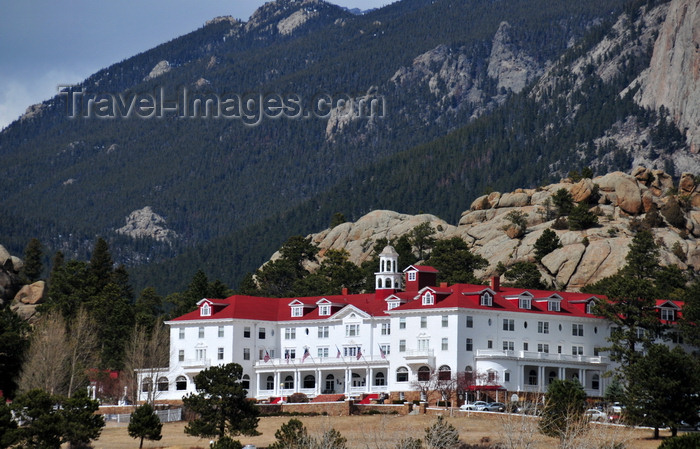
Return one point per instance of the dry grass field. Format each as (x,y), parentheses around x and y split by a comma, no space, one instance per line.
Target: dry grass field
(380,431)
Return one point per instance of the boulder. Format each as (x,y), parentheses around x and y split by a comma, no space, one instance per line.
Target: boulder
(627,194)
(516,199)
(582,190)
(662,182)
(687,184)
(643,175)
(31,294)
(4,255)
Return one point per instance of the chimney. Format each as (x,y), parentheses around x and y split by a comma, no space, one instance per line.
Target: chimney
(344,292)
(496,283)
(443,284)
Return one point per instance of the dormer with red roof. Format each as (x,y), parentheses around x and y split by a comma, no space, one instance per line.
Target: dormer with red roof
(668,311)
(207,307)
(298,309)
(419,276)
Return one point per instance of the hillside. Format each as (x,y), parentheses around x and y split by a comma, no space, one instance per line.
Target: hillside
(466,86)
(622,203)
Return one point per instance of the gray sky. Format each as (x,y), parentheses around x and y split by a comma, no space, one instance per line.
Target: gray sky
(44,43)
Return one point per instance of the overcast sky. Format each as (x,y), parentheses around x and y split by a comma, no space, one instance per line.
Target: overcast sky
(45,43)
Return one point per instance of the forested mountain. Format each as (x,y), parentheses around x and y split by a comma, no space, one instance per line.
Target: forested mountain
(473,95)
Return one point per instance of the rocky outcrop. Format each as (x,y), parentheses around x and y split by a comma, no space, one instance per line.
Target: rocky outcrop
(146,223)
(28,299)
(673,77)
(9,275)
(620,201)
(158,70)
(288,25)
(509,64)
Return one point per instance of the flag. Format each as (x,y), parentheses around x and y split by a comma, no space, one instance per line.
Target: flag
(306,354)
(286,356)
(337,356)
(381,352)
(267,356)
(359,353)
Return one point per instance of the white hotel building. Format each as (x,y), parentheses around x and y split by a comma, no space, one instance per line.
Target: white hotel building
(516,339)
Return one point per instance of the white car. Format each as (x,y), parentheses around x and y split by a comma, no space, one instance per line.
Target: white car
(478,405)
(594,414)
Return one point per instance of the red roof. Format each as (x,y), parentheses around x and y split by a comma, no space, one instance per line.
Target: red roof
(421,269)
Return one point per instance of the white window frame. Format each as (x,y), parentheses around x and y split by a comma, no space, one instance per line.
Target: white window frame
(543,327)
(290,333)
(297,311)
(386,329)
(323,332)
(525,302)
(205,310)
(508,345)
(200,332)
(428,299)
(668,314)
(554,305)
(352,330)
(411,276)
(181,333)
(445,344)
(508,324)
(486,299)
(324,310)
(402,322)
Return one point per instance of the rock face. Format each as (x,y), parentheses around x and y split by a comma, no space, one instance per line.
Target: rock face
(27,300)
(9,275)
(297,19)
(673,77)
(146,223)
(159,69)
(585,256)
(510,65)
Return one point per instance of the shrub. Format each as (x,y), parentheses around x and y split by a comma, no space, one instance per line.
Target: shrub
(581,218)
(441,434)
(546,243)
(563,201)
(560,223)
(297,398)
(687,441)
(673,213)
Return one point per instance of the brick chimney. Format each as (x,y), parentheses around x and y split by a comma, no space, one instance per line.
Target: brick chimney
(443,284)
(496,283)
(344,292)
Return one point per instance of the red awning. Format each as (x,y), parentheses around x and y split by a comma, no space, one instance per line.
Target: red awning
(485,387)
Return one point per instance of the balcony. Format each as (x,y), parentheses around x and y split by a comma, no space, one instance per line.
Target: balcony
(540,356)
(323,362)
(195,364)
(419,357)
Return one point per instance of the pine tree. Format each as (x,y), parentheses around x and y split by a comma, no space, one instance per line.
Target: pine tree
(33,266)
(145,424)
(546,243)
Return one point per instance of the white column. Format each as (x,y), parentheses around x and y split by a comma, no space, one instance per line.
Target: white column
(370,380)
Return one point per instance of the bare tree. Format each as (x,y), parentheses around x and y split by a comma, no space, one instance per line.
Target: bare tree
(425,386)
(82,349)
(45,365)
(147,356)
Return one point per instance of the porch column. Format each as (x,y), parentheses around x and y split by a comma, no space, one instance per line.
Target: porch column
(318,381)
(296,380)
(277,383)
(368,382)
(542,382)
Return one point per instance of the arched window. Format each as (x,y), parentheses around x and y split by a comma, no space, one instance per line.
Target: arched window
(357,380)
(444,373)
(469,373)
(245,381)
(423,374)
(552,376)
(379,282)
(288,383)
(181,383)
(146,385)
(162,384)
(270,383)
(309,381)
(402,374)
(379,379)
(532,377)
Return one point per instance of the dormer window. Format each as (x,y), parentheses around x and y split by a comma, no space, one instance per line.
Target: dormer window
(392,305)
(668,314)
(324,309)
(411,275)
(297,311)
(486,299)
(205,310)
(428,299)
(589,307)
(554,305)
(525,302)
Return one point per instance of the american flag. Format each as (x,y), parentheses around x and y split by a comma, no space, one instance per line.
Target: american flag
(306,354)
(337,356)
(381,352)
(359,353)
(267,356)
(286,356)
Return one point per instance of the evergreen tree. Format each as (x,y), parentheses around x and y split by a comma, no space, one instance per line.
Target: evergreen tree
(14,341)
(83,423)
(221,405)
(564,405)
(546,243)
(337,219)
(291,435)
(33,265)
(563,202)
(148,308)
(421,237)
(524,275)
(101,264)
(581,218)
(455,262)
(145,424)
(441,435)
(614,392)
(8,426)
(44,427)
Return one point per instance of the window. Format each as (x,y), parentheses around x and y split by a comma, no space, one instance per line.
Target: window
(246,332)
(559,349)
(402,345)
(595,382)
(352,330)
(386,349)
(245,381)
(508,345)
(261,333)
(489,344)
(445,321)
(532,377)
(589,307)
(323,332)
(181,333)
(309,381)
(290,333)
(577,350)
(146,385)
(508,324)
(553,305)
(470,321)
(444,344)
(322,353)
(379,379)
(423,374)
(181,383)
(205,310)
(392,305)
(525,302)
(350,351)
(668,314)
(270,383)
(423,344)
(162,384)
(220,354)
(297,311)
(526,346)
(506,376)
(386,328)
(491,376)
(444,373)
(288,383)
(411,275)
(428,299)
(201,353)
(543,347)
(486,299)
(470,344)
(543,327)
(290,353)
(577,330)
(423,322)
(402,374)
(324,309)
(201,332)
(220,331)
(402,323)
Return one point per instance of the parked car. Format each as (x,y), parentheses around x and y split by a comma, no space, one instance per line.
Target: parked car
(478,405)
(495,407)
(594,414)
(529,408)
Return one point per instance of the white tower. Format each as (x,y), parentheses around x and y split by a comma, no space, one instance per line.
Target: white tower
(388,276)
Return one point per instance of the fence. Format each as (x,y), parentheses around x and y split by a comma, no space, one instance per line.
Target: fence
(169,415)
